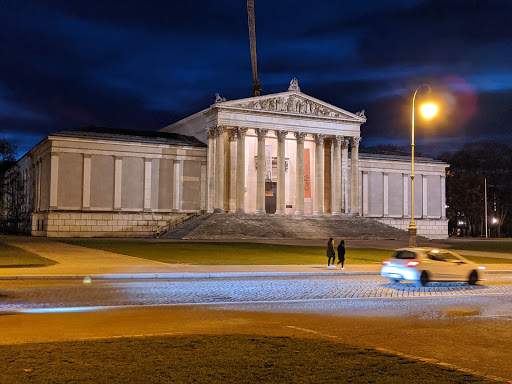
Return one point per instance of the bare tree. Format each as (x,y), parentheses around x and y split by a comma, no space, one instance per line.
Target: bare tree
(14,207)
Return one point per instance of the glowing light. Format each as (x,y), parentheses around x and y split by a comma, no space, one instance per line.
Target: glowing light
(428,110)
(494,220)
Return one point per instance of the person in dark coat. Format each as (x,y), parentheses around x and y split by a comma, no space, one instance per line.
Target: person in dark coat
(341,253)
(331,254)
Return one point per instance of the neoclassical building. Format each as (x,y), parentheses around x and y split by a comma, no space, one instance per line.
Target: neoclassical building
(304,145)
(286,154)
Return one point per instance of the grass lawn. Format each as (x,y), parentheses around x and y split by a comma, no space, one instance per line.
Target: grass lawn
(482,245)
(214,359)
(14,257)
(230,253)
(488,260)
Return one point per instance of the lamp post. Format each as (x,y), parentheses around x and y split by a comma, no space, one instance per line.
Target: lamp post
(428,110)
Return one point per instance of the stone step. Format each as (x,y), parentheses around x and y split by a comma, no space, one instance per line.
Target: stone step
(251,226)
(188,226)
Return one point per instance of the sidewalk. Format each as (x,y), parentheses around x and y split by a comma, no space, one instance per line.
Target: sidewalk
(76,262)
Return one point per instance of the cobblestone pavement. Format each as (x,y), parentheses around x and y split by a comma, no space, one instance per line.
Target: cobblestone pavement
(68,293)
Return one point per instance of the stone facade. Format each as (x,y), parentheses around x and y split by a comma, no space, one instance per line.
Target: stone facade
(113,224)
(102,182)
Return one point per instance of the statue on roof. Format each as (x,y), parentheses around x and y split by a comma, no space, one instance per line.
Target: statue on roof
(294,85)
(219,99)
(361,113)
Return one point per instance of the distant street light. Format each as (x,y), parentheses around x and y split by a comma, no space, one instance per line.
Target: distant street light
(428,111)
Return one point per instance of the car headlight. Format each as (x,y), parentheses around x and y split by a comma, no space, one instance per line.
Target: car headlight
(481,267)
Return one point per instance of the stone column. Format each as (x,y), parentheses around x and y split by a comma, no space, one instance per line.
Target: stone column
(54,179)
(232,180)
(354,182)
(344,176)
(177,186)
(147,184)
(299,174)
(260,184)
(219,170)
(443,197)
(365,194)
(211,168)
(385,198)
(240,169)
(405,178)
(336,179)
(424,196)
(86,183)
(281,190)
(118,174)
(204,196)
(38,188)
(318,209)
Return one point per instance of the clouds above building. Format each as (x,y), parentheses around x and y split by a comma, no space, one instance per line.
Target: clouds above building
(145,64)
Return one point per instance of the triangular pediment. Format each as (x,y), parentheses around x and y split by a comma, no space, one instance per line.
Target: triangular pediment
(293,103)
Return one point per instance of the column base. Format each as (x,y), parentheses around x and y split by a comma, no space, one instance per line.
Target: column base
(280,212)
(260,212)
(318,213)
(336,213)
(218,210)
(299,213)
(240,210)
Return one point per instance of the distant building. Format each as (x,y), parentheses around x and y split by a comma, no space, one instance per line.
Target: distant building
(284,153)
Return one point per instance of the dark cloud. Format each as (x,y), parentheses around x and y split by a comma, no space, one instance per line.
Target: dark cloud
(145,64)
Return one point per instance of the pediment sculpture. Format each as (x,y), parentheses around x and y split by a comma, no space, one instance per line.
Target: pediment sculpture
(292,103)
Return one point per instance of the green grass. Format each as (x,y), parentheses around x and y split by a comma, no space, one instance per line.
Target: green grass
(488,260)
(14,257)
(230,253)
(482,245)
(215,359)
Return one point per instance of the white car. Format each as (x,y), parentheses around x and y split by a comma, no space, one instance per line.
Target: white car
(424,265)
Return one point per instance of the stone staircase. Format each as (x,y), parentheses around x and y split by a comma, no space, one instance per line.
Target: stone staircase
(181,231)
(249,226)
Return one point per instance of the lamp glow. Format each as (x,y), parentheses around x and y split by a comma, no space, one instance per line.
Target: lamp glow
(428,110)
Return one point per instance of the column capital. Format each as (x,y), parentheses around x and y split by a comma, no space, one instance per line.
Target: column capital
(116,157)
(261,132)
(300,136)
(54,154)
(240,132)
(211,132)
(354,141)
(281,135)
(338,140)
(220,129)
(88,156)
(232,134)
(319,138)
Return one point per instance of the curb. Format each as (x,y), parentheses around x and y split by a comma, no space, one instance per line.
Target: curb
(219,275)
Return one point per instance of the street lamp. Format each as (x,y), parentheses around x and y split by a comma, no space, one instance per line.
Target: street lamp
(428,111)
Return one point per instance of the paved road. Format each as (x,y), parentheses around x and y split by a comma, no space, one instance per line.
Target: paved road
(75,293)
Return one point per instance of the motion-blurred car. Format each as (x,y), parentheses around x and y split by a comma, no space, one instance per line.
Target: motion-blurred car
(423,265)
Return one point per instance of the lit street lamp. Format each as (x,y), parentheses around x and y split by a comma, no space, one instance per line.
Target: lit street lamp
(428,111)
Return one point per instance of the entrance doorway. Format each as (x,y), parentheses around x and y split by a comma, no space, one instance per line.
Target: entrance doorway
(270,196)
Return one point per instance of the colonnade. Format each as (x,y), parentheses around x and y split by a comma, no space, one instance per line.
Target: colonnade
(339,173)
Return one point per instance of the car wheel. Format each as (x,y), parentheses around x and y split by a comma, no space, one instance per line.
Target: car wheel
(423,279)
(393,281)
(473,278)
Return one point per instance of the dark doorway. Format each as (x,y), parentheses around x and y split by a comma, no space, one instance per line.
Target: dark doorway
(270,196)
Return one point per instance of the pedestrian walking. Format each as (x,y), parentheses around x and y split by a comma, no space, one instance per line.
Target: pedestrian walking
(341,253)
(331,254)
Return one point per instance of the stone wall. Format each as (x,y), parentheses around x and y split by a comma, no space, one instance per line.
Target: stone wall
(429,228)
(99,224)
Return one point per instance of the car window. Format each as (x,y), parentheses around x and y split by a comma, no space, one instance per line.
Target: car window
(438,256)
(451,258)
(404,255)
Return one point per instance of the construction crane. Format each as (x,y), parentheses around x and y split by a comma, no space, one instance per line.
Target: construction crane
(252,39)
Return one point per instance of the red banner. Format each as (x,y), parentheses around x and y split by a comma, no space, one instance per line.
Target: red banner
(307,175)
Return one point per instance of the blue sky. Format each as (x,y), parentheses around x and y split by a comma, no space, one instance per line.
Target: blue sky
(145,64)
